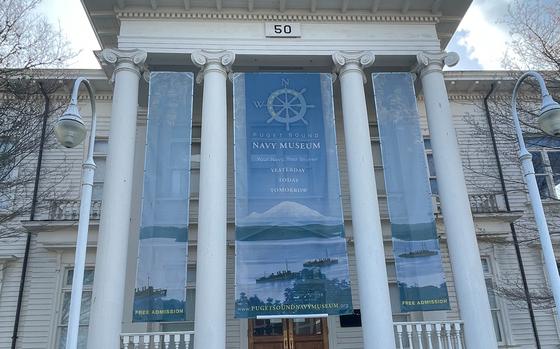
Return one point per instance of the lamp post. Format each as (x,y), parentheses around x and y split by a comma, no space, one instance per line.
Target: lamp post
(549,122)
(71,131)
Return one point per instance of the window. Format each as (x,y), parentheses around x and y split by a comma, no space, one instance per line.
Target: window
(431,166)
(100,158)
(3,266)
(489,278)
(187,325)
(546,161)
(8,172)
(398,316)
(195,161)
(65,308)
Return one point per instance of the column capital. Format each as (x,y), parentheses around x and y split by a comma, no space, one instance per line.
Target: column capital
(429,62)
(212,60)
(131,60)
(346,61)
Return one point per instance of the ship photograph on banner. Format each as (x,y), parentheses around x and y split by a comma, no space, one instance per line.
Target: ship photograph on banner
(418,260)
(291,253)
(159,295)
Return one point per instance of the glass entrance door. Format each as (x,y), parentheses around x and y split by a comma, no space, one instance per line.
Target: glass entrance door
(310,333)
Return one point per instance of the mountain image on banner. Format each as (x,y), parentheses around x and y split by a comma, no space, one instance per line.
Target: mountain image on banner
(288,213)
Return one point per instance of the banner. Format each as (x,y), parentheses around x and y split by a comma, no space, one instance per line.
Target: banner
(420,274)
(162,252)
(290,247)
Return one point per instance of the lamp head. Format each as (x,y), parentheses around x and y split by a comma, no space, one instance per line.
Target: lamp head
(549,118)
(70,129)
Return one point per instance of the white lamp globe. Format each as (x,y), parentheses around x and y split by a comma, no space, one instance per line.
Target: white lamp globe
(70,129)
(549,118)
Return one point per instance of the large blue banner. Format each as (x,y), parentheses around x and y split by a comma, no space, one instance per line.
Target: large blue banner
(415,243)
(290,247)
(160,293)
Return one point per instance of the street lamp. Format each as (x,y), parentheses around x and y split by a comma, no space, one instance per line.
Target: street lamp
(70,131)
(549,122)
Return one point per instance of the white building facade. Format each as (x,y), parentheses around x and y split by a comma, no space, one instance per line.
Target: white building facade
(351,39)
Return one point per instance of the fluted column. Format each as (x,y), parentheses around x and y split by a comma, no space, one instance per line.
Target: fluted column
(211,250)
(375,304)
(461,237)
(110,266)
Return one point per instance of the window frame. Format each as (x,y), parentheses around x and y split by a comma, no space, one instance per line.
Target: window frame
(492,274)
(432,177)
(65,288)
(11,192)
(548,173)
(195,161)
(190,286)
(97,155)
(392,281)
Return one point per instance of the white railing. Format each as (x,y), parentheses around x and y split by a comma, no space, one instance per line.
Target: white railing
(408,335)
(429,335)
(157,340)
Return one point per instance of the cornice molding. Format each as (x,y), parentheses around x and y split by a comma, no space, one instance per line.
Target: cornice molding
(244,16)
(66,97)
(475,96)
(459,97)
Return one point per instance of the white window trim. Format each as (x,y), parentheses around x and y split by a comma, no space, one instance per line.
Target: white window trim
(503,315)
(11,192)
(62,271)
(543,151)
(195,164)
(2,266)
(4,260)
(436,205)
(97,154)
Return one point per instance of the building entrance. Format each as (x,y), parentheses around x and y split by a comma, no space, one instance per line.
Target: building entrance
(310,333)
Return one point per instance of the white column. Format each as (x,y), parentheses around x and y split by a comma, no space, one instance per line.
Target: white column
(461,237)
(211,250)
(375,304)
(110,266)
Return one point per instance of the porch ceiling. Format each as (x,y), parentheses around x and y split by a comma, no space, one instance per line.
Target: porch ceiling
(102,13)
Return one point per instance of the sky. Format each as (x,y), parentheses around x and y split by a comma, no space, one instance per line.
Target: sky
(70,17)
(471,40)
(481,39)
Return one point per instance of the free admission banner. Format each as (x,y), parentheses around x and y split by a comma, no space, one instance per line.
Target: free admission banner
(162,252)
(290,247)
(420,274)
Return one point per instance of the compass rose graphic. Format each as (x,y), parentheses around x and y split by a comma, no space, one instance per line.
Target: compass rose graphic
(287,106)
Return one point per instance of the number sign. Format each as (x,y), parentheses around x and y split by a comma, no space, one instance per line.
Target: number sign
(282,30)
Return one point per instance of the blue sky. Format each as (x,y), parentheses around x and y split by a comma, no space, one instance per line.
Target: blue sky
(480,39)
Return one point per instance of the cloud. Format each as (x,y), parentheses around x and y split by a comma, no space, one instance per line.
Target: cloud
(481,38)
(467,61)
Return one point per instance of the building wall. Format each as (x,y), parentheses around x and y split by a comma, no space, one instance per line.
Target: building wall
(52,242)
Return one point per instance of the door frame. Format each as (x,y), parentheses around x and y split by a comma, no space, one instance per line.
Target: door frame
(288,335)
